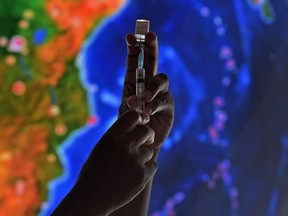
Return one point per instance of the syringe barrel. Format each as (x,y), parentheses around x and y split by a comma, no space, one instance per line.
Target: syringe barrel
(140,88)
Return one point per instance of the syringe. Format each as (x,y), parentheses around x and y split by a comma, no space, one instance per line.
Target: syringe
(142,27)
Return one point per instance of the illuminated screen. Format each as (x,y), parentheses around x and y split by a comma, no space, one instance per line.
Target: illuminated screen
(62,65)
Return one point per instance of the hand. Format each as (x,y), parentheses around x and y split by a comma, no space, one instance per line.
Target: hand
(119,166)
(159,101)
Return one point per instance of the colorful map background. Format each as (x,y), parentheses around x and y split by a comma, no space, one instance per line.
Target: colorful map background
(61,70)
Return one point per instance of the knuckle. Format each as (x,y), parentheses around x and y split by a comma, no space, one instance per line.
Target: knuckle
(163,76)
(150,152)
(147,150)
(163,81)
(155,166)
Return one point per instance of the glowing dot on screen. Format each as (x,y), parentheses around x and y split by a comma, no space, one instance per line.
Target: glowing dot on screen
(230,64)
(217,20)
(51,158)
(226,178)
(55,11)
(20,187)
(3,41)
(18,88)
(221,116)
(203,137)
(205,177)
(221,31)
(226,81)
(5,156)
(169,204)
(205,11)
(23,24)
(60,129)
(219,101)
(225,52)
(224,166)
(28,14)
(76,22)
(213,133)
(179,197)
(219,125)
(234,192)
(55,110)
(93,120)
(10,60)
(17,44)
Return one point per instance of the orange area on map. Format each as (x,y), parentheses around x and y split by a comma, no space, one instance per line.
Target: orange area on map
(76,20)
(24,148)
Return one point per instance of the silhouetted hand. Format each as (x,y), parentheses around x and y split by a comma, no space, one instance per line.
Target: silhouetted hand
(117,169)
(159,101)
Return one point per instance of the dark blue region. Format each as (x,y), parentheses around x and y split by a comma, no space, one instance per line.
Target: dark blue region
(255,101)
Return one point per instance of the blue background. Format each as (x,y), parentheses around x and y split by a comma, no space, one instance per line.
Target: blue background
(228,151)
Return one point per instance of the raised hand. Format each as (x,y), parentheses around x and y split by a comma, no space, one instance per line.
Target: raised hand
(159,101)
(117,169)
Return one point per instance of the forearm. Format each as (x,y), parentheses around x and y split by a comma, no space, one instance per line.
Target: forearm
(78,202)
(140,204)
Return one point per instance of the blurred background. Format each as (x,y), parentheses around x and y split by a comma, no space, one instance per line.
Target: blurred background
(62,65)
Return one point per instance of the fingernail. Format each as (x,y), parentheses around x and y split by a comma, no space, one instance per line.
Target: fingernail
(131,102)
(150,141)
(148,110)
(145,118)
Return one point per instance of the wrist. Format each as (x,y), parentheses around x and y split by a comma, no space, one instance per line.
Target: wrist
(90,202)
(79,202)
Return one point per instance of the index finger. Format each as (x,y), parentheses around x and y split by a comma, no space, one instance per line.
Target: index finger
(151,55)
